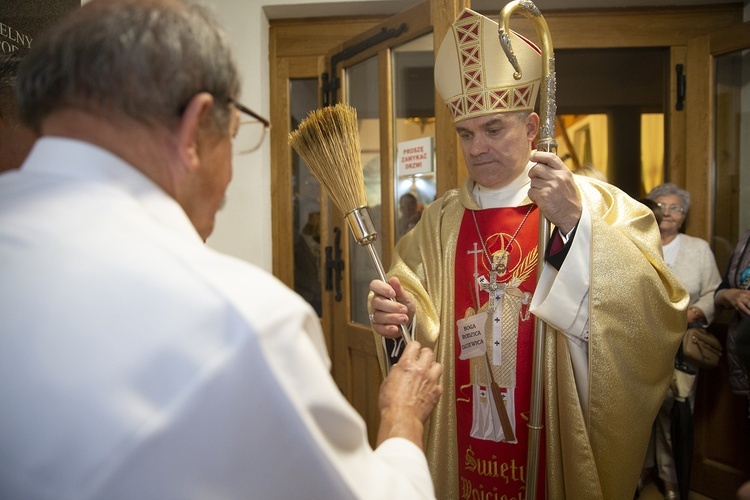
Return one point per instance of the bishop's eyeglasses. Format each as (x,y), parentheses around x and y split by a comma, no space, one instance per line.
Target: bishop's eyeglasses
(251,131)
(672,208)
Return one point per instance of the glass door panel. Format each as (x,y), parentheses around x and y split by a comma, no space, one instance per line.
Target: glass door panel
(362,93)
(305,202)
(732,152)
(414,131)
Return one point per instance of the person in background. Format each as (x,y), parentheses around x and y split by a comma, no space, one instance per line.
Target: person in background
(307,263)
(693,262)
(740,351)
(16,138)
(464,280)
(135,361)
(410,213)
(734,293)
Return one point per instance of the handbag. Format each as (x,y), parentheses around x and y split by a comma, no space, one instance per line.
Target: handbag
(701,348)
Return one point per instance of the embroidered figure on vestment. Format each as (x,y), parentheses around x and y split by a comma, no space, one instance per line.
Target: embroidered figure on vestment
(505,307)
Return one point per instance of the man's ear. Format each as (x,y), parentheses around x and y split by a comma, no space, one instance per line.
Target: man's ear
(532,126)
(189,129)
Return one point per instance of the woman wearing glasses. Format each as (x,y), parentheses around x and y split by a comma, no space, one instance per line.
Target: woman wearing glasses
(693,262)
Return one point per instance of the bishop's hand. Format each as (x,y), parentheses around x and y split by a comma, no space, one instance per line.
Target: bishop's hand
(386,315)
(554,191)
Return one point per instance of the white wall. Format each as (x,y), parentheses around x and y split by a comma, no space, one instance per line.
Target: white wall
(243,226)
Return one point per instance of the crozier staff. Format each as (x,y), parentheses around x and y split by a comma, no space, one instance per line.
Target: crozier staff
(472,260)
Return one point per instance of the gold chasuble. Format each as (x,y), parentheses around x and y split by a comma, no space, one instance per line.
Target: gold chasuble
(479,324)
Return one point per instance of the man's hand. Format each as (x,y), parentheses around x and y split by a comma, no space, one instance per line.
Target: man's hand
(386,315)
(409,394)
(554,191)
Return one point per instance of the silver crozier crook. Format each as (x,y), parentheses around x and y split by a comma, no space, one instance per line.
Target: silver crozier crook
(546,143)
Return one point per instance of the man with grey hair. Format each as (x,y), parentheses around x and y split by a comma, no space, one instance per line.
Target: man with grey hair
(135,361)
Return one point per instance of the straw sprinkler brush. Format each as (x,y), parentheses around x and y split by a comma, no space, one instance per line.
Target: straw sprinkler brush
(328,142)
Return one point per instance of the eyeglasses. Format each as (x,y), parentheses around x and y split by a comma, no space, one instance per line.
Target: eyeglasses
(672,208)
(251,131)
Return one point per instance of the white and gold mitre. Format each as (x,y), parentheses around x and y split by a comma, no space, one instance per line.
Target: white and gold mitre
(473,75)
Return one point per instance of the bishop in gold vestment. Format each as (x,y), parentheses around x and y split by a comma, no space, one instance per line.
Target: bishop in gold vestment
(636,310)
(616,312)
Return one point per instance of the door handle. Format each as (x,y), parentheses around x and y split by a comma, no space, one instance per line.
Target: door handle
(334,265)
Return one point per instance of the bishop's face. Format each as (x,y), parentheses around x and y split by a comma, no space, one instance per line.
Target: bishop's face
(496,148)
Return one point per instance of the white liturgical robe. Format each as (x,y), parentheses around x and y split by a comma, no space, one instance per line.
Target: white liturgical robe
(136,362)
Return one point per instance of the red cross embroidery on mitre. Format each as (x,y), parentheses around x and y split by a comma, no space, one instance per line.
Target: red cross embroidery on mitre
(475,102)
(470,56)
(498,100)
(472,80)
(457,106)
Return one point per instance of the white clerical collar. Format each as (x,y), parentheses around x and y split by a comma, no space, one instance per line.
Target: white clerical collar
(511,195)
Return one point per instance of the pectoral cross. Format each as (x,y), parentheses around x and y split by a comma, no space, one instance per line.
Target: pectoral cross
(491,287)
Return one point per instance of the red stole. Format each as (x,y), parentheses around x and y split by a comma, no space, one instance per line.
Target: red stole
(490,470)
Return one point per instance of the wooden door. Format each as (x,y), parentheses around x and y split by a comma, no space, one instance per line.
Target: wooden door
(718,166)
